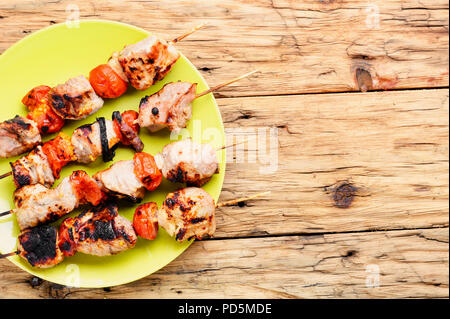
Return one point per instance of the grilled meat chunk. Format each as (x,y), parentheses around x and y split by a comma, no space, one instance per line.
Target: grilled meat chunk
(39,246)
(37,204)
(147,61)
(17,136)
(75,99)
(121,181)
(33,169)
(188,162)
(169,107)
(113,62)
(102,231)
(188,213)
(87,141)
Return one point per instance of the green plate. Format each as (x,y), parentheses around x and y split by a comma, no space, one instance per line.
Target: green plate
(55,54)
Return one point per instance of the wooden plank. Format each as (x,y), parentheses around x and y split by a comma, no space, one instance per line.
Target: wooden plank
(300,46)
(410,264)
(391,147)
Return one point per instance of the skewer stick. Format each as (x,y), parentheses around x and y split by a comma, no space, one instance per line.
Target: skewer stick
(242,199)
(225,84)
(6,213)
(181,37)
(9,254)
(5,175)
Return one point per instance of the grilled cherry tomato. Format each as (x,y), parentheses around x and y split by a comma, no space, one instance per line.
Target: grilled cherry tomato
(59,152)
(128,117)
(86,188)
(147,171)
(106,82)
(40,111)
(36,96)
(145,220)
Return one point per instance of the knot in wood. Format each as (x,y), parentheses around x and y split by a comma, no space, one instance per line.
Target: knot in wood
(344,195)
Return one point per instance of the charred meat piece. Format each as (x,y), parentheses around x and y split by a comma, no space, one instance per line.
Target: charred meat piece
(87,140)
(147,61)
(37,204)
(169,107)
(99,231)
(102,231)
(66,240)
(17,136)
(33,169)
(188,162)
(188,213)
(39,246)
(75,99)
(120,180)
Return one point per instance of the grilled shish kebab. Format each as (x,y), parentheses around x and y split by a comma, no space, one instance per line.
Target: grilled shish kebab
(140,64)
(183,161)
(43,165)
(100,231)
(171,106)
(37,204)
(185,214)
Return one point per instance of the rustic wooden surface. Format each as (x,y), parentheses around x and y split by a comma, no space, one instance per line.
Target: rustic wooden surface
(362,180)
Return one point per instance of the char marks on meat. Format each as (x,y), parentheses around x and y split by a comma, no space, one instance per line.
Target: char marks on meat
(17,136)
(75,99)
(169,107)
(147,61)
(188,213)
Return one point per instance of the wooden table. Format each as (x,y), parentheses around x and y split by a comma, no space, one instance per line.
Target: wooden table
(359,204)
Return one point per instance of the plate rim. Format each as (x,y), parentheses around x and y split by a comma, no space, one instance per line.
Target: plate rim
(116,282)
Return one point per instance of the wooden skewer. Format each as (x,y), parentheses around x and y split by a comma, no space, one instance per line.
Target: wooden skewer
(9,254)
(5,175)
(242,199)
(6,213)
(181,37)
(225,84)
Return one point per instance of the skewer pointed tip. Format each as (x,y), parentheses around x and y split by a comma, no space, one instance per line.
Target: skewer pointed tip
(5,175)
(181,37)
(9,254)
(225,83)
(6,213)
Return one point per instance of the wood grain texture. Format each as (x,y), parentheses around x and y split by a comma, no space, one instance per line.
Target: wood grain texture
(392,147)
(411,264)
(300,46)
(362,178)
